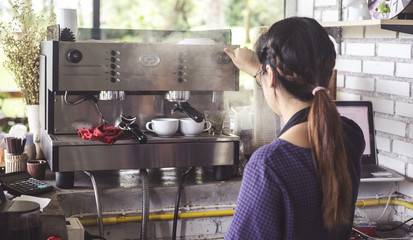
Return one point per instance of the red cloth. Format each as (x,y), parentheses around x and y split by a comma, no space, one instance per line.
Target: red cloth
(103,134)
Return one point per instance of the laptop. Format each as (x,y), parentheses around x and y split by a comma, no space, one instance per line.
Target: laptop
(361,112)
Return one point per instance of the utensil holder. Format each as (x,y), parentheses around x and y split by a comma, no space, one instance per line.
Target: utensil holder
(16,162)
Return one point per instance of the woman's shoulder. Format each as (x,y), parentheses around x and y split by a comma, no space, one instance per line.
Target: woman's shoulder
(353,133)
(351,128)
(278,149)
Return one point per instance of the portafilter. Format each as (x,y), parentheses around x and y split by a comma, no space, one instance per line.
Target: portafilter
(180,99)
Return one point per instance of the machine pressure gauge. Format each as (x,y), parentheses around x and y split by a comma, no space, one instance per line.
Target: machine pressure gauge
(74,56)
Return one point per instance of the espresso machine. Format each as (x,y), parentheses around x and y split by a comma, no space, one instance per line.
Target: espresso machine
(126,84)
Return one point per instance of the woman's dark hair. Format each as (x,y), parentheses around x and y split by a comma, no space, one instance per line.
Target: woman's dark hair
(303,51)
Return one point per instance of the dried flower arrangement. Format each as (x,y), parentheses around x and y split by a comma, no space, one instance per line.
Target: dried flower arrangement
(20,40)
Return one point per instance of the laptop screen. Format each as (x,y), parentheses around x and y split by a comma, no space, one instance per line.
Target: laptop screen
(361,113)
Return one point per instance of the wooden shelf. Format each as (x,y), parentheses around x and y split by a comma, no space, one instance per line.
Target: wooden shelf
(372,22)
(335,28)
(397,25)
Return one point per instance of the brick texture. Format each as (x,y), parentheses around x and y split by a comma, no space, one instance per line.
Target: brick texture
(390,126)
(382,74)
(348,65)
(404,70)
(393,87)
(360,83)
(360,49)
(378,67)
(404,109)
(393,50)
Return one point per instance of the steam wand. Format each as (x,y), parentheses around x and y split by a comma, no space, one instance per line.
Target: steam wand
(85,98)
(188,110)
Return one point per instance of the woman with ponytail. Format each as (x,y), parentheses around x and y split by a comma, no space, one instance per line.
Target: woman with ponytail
(304,184)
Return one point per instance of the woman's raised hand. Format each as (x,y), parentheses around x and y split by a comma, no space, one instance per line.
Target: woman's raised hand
(245,59)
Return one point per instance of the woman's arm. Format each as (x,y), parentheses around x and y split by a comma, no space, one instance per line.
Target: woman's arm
(245,59)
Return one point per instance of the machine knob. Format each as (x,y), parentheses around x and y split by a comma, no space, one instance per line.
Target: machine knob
(74,56)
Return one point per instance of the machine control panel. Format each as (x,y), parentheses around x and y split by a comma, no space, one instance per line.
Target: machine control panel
(114,66)
(182,61)
(96,66)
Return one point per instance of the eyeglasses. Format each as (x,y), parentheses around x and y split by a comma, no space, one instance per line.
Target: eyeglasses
(258,76)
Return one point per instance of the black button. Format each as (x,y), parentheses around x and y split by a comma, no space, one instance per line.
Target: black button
(113,52)
(113,66)
(180,73)
(113,73)
(112,59)
(113,79)
(180,79)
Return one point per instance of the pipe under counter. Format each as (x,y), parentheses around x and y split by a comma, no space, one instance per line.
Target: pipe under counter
(120,193)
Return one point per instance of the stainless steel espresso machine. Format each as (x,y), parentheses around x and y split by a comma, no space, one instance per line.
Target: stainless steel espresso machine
(126,84)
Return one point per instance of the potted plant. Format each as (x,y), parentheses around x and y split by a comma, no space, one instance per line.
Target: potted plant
(20,41)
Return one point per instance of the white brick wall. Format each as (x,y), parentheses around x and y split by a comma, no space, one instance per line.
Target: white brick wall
(360,49)
(340,80)
(324,3)
(409,173)
(393,87)
(347,96)
(383,144)
(393,50)
(411,131)
(382,74)
(385,79)
(404,109)
(376,32)
(392,163)
(390,126)
(403,148)
(360,83)
(329,15)
(381,105)
(348,65)
(378,67)
(404,70)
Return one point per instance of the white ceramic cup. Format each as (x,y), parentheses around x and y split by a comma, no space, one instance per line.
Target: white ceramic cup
(189,127)
(163,127)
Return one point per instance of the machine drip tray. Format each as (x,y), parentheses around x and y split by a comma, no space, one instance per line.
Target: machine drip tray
(66,153)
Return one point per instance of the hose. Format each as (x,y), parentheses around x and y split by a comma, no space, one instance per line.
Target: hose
(98,207)
(145,204)
(157,217)
(178,198)
(217,213)
(375,202)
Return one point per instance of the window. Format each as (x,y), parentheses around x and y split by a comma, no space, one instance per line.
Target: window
(238,15)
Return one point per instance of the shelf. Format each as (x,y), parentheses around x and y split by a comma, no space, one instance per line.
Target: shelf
(397,25)
(365,23)
(335,28)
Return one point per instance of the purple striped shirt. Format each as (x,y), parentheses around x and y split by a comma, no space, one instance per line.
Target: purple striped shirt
(280,197)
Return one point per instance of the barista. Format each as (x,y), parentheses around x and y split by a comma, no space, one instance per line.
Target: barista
(304,184)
